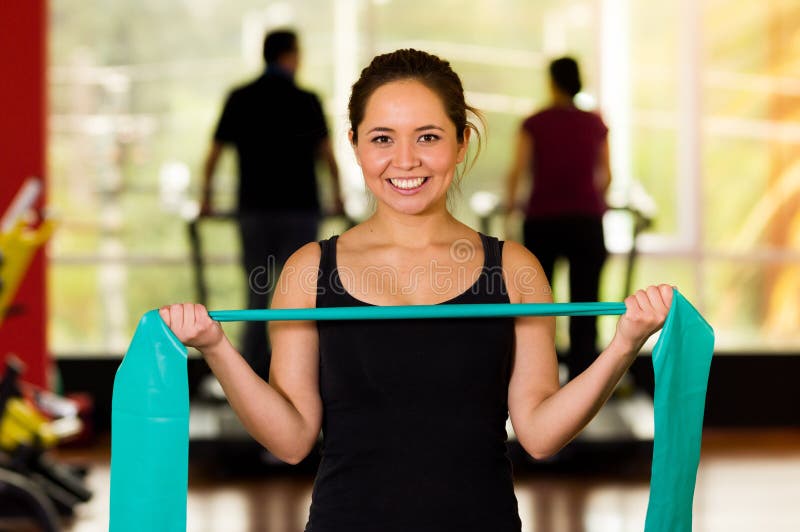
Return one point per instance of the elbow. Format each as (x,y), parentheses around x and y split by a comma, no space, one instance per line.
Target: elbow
(293,454)
(540,450)
(542,454)
(293,459)
(290,456)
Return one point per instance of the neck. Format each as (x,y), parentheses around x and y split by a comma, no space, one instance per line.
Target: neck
(276,69)
(410,230)
(563,100)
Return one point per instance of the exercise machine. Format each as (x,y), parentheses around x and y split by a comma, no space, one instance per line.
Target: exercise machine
(32,421)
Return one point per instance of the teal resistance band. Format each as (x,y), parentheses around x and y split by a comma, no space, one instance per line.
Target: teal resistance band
(150,407)
(489,310)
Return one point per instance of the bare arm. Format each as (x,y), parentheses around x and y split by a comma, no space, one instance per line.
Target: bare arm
(545,416)
(520,163)
(603,169)
(325,152)
(284,415)
(209,167)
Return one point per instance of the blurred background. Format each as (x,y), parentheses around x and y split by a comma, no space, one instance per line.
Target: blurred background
(113,104)
(702,101)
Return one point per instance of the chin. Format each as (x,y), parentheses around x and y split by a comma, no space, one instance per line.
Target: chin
(418,208)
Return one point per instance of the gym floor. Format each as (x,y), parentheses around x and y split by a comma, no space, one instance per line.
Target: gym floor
(748,480)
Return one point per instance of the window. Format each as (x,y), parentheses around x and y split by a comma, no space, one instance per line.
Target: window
(702,99)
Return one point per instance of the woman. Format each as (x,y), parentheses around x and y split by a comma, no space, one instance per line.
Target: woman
(413,411)
(566,151)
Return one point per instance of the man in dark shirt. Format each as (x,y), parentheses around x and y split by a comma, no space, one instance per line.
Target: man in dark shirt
(279,133)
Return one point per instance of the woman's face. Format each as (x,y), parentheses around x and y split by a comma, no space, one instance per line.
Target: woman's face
(407,147)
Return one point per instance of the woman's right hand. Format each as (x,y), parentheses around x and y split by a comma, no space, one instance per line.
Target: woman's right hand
(192,325)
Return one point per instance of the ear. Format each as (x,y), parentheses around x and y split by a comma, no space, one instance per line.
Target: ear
(354,146)
(462,148)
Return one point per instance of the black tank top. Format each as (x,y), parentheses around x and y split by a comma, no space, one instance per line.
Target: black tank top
(414,415)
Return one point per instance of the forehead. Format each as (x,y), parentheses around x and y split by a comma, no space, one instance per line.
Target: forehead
(405,101)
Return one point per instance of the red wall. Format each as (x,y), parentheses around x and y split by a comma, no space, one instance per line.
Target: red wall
(23,61)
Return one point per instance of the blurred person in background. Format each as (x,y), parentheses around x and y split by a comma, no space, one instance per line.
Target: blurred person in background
(565,151)
(279,132)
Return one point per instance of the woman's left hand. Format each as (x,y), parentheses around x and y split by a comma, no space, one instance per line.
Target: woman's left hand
(645,313)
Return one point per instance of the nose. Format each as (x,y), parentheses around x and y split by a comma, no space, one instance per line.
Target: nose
(405,156)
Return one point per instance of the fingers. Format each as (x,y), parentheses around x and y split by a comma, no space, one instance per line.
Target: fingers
(192,325)
(165,315)
(188,316)
(185,316)
(666,293)
(645,312)
(177,317)
(201,317)
(654,301)
(660,297)
(642,301)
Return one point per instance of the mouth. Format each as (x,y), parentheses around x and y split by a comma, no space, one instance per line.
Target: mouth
(407,184)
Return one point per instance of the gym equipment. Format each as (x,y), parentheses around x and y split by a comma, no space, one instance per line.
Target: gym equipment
(27,472)
(18,242)
(150,415)
(21,490)
(196,247)
(681,361)
(31,483)
(214,429)
(639,212)
(150,432)
(489,310)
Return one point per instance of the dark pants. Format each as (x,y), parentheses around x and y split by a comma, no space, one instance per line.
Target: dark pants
(267,241)
(579,239)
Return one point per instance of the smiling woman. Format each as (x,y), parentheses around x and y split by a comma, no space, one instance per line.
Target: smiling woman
(415,406)
(409,147)
(427,70)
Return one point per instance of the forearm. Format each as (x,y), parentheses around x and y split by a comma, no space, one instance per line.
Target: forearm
(511,190)
(603,177)
(603,180)
(266,414)
(555,421)
(326,153)
(208,173)
(522,161)
(209,167)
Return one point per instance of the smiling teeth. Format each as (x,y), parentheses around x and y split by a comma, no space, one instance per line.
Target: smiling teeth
(408,183)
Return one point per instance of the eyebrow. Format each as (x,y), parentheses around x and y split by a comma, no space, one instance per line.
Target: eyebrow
(390,130)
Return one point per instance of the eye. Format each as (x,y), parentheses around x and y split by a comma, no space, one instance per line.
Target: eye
(428,138)
(381,139)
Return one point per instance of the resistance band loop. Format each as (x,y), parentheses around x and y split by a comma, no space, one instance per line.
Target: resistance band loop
(489,310)
(150,407)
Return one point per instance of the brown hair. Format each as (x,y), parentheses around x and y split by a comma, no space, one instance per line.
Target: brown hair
(566,75)
(433,72)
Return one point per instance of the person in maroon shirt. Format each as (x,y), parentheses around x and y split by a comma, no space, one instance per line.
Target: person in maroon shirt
(566,151)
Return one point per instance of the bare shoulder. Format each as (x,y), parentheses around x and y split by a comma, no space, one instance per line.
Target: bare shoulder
(297,285)
(307,255)
(516,256)
(525,279)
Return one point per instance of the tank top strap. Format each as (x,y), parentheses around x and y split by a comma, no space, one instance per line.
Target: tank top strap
(327,264)
(493,251)
(327,258)
(492,286)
